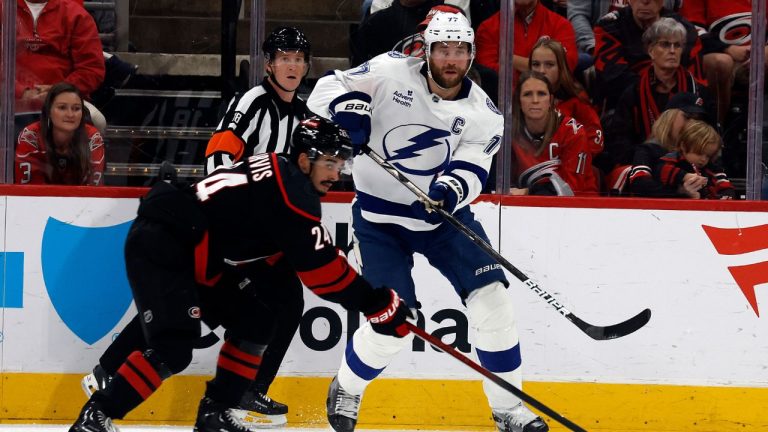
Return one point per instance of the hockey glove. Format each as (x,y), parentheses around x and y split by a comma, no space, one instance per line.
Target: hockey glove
(352,111)
(390,320)
(442,193)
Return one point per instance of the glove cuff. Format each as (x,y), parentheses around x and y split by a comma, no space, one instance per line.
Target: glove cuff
(387,313)
(453,185)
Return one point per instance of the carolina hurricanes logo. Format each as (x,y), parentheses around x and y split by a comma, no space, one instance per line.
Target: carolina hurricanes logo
(733,29)
(738,241)
(417,149)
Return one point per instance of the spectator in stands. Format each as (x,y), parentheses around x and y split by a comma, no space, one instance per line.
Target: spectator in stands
(532,21)
(637,178)
(57,40)
(663,139)
(389,28)
(692,168)
(550,150)
(620,54)
(642,102)
(61,148)
(726,33)
(584,15)
(548,57)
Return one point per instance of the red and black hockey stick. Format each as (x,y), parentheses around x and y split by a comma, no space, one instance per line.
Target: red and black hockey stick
(437,343)
(595,332)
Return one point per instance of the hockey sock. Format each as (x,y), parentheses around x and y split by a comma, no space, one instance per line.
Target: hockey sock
(368,353)
(130,339)
(236,369)
(134,382)
(493,326)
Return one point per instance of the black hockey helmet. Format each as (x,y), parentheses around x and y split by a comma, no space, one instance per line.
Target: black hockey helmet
(286,39)
(319,136)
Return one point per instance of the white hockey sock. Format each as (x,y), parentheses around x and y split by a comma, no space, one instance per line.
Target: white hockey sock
(367,356)
(494,330)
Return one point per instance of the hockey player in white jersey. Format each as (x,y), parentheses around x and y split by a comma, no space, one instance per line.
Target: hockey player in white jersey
(441,131)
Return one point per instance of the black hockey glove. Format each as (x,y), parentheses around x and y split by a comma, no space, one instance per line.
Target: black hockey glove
(390,320)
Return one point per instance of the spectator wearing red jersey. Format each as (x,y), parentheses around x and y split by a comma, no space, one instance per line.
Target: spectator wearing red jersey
(532,21)
(620,54)
(693,167)
(61,148)
(550,151)
(725,29)
(642,102)
(56,40)
(549,58)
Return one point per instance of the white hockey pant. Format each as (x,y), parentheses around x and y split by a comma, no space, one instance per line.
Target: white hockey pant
(494,331)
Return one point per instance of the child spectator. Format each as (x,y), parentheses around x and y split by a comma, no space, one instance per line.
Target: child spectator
(692,168)
(532,21)
(642,102)
(61,148)
(551,154)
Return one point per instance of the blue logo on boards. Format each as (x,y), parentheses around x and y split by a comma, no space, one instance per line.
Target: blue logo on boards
(84,273)
(12,273)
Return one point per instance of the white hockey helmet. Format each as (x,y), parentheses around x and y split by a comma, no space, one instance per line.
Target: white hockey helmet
(449,27)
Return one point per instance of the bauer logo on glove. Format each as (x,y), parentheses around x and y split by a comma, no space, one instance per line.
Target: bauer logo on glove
(352,111)
(388,313)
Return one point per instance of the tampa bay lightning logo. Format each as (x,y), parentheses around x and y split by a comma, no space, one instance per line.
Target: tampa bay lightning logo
(84,273)
(360,70)
(417,149)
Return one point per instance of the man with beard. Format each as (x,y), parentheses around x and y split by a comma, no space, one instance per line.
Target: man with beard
(441,131)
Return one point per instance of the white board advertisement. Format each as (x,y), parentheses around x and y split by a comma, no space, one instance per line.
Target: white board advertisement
(605,265)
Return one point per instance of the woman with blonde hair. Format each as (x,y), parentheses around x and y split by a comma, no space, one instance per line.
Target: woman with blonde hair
(550,151)
(692,168)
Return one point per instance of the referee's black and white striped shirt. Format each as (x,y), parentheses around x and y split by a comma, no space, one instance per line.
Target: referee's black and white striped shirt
(257,121)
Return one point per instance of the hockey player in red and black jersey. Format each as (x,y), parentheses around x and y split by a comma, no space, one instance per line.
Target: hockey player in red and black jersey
(620,53)
(180,252)
(259,121)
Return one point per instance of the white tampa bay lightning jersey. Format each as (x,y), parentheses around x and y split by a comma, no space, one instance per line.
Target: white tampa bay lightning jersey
(422,135)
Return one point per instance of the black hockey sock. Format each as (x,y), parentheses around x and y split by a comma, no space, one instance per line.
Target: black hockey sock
(133,383)
(236,368)
(130,339)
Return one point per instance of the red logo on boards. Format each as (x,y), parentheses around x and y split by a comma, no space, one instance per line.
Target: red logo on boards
(738,241)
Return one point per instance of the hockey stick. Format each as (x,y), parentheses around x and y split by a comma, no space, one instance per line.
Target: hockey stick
(437,343)
(595,332)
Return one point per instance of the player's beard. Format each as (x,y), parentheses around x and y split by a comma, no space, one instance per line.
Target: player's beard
(447,83)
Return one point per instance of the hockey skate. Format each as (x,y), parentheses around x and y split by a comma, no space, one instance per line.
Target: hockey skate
(258,411)
(518,419)
(96,380)
(342,407)
(93,419)
(213,416)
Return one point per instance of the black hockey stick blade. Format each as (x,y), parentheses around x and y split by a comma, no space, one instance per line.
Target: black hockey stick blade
(612,331)
(530,400)
(595,332)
